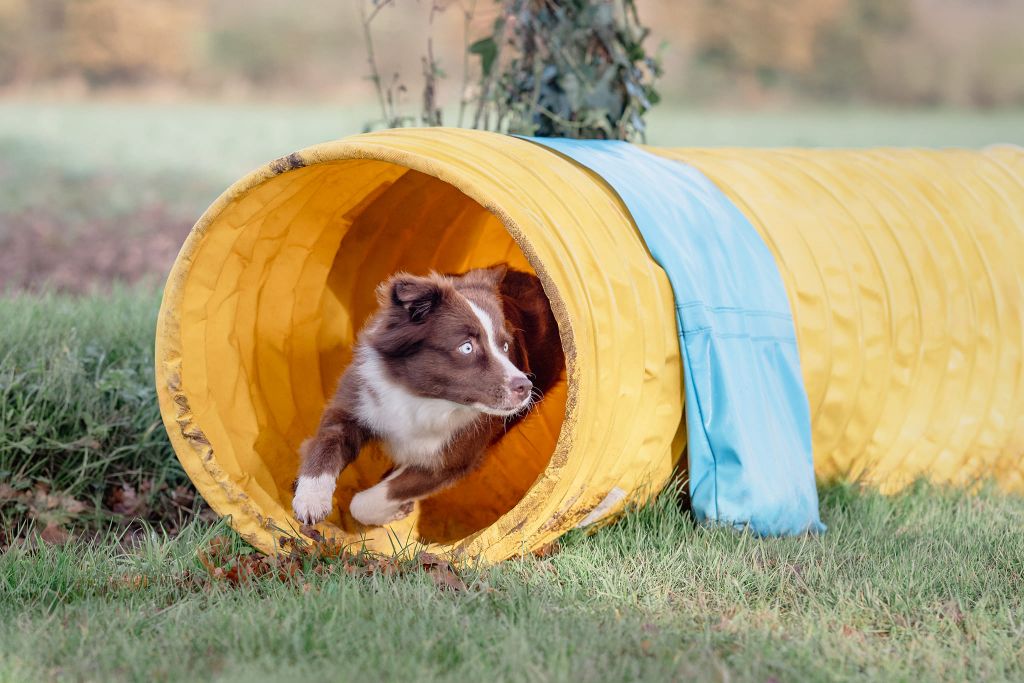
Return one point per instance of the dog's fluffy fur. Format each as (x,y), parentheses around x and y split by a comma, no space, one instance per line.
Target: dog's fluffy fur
(439,372)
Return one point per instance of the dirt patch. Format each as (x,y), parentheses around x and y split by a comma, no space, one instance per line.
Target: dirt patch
(76,230)
(37,251)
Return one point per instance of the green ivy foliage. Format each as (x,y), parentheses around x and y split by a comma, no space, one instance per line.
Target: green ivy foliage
(566,68)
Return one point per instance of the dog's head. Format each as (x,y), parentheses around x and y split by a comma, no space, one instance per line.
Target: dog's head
(446,337)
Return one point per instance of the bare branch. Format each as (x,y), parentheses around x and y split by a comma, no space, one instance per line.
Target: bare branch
(508,9)
(371,57)
(467,21)
(431,114)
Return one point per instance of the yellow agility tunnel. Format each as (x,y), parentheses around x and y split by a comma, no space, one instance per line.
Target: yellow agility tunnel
(901,269)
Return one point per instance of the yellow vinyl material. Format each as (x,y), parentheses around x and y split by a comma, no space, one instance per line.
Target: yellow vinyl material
(901,267)
(903,270)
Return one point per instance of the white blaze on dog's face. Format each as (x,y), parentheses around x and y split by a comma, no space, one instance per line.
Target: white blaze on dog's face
(445,338)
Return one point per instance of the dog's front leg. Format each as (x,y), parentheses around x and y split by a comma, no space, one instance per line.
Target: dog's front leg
(324,456)
(393,498)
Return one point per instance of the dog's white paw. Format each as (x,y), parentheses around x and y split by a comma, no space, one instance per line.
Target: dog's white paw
(373,508)
(314,498)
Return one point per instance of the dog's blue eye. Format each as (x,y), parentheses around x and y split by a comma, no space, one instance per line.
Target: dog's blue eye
(466,348)
(506,347)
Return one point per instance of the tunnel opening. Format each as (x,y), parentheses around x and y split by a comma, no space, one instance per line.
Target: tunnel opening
(298,258)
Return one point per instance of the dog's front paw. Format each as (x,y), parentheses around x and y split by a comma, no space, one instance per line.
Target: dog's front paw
(314,498)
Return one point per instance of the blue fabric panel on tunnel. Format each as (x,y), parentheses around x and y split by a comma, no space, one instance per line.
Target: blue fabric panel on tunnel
(747,417)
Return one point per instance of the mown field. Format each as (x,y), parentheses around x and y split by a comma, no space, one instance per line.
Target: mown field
(94,192)
(109,570)
(925,586)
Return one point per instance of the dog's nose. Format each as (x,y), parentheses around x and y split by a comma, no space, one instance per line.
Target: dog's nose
(520,387)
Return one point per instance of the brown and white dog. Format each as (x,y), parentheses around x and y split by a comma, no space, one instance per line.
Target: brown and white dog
(439,373)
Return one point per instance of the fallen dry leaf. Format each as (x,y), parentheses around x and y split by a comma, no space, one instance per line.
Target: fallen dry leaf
(72,506)
(546,568)
(54,534)
(852,633)
(354,570)
(441,572)
(209,515)
(388,566)
(8,492)
(43,506)
(446,579)
(224,564)
(548,549)
(132,581)
(183,496)
(289,570)
(430,560)
(212,556)
(951,610)
(124,500)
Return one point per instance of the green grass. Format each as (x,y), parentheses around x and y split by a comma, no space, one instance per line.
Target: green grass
(78,408)
(926,585)
(222,142)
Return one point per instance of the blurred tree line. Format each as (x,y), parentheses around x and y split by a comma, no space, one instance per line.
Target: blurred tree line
(907,52)
(102,42)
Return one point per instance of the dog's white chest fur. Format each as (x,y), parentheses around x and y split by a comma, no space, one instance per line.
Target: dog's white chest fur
(414,429)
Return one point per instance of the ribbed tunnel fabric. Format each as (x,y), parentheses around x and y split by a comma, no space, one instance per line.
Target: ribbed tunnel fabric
(902,269)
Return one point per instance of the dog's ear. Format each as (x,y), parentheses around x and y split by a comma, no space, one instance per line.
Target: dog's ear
(490,276)
(417,296)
